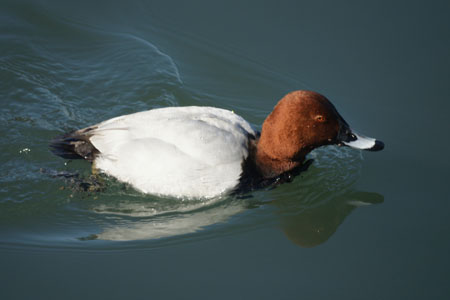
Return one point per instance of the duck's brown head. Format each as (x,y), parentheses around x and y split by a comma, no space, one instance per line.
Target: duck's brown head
(300,122)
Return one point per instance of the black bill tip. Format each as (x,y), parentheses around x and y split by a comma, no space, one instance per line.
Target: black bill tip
(379,145)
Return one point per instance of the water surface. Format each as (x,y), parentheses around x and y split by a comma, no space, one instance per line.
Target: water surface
(355,225)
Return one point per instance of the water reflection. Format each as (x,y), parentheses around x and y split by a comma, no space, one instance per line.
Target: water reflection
(309,210)
(314,224)
(305,223)
(169,225)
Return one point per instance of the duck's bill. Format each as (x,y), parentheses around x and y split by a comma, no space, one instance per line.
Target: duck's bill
(359,141)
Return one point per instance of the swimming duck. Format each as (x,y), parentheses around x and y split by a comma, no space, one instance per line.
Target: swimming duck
(204,152)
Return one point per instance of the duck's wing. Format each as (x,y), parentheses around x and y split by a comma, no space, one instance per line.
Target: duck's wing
(182,151)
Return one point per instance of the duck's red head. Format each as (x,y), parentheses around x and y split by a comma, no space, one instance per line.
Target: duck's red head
(300,122)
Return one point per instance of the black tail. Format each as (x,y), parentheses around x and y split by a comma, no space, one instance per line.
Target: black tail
(74,145)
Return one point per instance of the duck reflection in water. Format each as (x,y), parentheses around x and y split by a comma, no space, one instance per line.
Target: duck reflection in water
(305,222)
(309,225)
(309,210)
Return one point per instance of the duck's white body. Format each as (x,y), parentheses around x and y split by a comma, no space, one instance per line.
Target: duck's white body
(200,152)
(189,152)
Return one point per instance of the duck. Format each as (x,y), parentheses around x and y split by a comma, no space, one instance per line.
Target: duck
(199,152)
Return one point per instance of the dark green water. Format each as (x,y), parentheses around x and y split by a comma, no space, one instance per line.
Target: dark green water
(354,226)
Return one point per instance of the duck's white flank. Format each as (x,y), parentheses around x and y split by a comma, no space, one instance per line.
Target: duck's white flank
(193,152)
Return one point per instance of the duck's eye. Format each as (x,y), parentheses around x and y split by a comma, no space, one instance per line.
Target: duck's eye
(319,118)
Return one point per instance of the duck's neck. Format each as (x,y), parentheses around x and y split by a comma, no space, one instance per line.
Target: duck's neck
(279,149)
(271,167)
